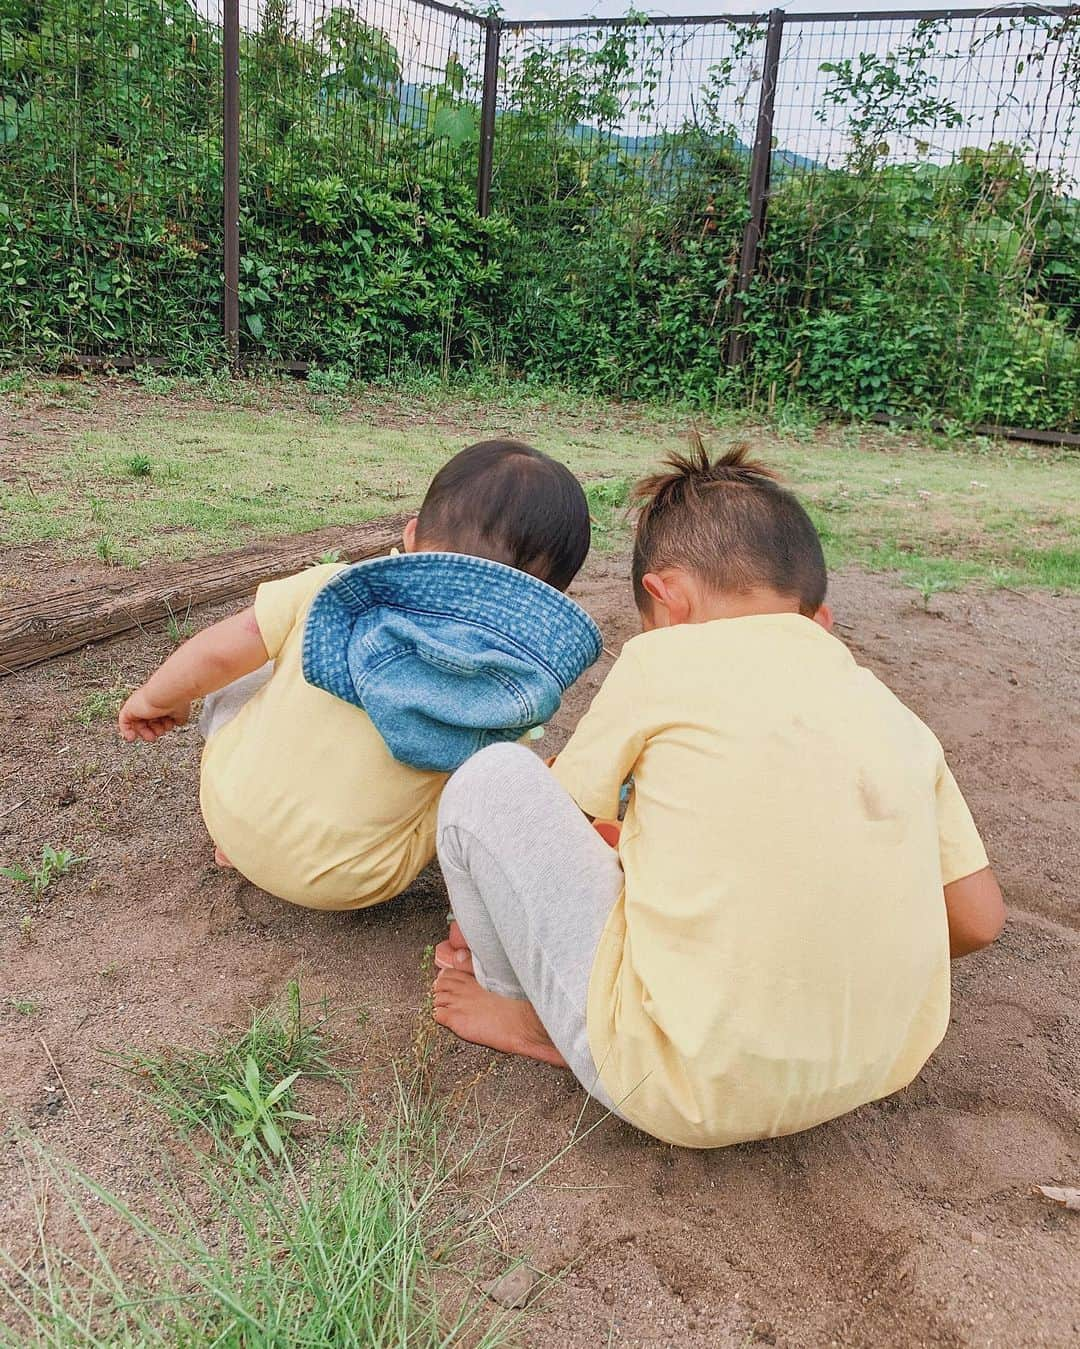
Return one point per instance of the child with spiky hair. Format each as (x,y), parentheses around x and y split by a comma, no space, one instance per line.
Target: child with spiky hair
(767,946)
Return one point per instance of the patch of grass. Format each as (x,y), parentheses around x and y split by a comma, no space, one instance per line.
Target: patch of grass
(882,499)
(108,550)
(149,379)
(929,586)
(40,874)
(332,379)
(351,1247)
(609,500)
(139,466)
(330,556)
(101,703)
(231,1083)
(24,1006)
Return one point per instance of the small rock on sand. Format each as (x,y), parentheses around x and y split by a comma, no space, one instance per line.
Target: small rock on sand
(514,1288)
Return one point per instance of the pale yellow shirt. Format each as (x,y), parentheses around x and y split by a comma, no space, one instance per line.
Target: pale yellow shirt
(780,952)
(299,789)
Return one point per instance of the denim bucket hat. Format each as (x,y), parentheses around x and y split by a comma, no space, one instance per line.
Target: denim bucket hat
(445,652)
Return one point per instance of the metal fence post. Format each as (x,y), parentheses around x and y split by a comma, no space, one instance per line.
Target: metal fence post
(760,164)
(231,178)
(487,115)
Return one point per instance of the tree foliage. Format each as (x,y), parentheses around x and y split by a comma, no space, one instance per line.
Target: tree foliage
(610,261)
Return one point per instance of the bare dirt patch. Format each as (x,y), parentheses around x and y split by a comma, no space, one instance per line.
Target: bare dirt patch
(910,1222)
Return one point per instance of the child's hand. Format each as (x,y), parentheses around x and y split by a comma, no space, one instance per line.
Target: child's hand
(142,719)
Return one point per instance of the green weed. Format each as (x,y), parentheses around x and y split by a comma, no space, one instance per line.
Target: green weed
(54,863)
(259,1110)
(929,586)
(152,381)
(179,629)
(101,703)
(232,1083)
(108,550)
(330,556)
(332,379)
(24,1006)
(139,466)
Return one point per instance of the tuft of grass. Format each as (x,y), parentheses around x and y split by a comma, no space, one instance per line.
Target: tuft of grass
(242,1081)
(24,1006)
(101,703)
(149,379)
(331,555)
(929,586)
(179,630)
(40,874)
(108,550)
(139,466)
(351,1247)
(609,499)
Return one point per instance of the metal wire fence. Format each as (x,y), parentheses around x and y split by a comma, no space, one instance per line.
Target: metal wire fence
(876,213)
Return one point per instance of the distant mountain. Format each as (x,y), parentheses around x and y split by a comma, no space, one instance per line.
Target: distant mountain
(412,102)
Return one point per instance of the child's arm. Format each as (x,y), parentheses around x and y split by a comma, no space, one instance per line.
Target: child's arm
(976,912)
(602,752)
(209,661)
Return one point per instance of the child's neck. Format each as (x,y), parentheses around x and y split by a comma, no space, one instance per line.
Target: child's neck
(714,604)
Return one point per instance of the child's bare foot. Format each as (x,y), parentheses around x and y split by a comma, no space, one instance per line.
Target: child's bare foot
(483,1018)
(454,953)
(221,860)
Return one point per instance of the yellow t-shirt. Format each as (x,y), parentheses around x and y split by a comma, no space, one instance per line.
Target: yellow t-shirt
(780,951)
(299,790)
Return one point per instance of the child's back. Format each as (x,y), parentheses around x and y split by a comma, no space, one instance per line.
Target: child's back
(322,786)
(781,954)
(299,790)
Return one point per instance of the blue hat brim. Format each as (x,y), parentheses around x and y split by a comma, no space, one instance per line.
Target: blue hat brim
(543,624)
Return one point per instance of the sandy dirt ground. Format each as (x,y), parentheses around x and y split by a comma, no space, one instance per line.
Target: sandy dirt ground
(911,1222)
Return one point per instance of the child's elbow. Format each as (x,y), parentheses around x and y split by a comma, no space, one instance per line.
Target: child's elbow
(987,930)
(976,912)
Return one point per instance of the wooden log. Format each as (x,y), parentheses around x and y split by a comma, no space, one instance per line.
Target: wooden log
(52,624)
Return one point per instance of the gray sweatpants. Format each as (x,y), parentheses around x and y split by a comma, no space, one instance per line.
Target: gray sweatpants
(531,885)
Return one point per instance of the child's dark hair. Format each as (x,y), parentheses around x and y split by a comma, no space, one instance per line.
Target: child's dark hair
(730,522)
(506,501)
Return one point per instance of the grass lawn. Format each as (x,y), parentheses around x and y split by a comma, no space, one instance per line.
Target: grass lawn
(186,476)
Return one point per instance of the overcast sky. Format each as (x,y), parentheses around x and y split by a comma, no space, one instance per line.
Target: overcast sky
(559,9)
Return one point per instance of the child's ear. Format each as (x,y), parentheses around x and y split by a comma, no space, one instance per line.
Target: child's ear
(671,601)
(824,616)
(408,535)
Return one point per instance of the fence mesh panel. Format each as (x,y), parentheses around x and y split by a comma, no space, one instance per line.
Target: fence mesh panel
(358,161)
(921,247)
(110,176)
(922,244)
